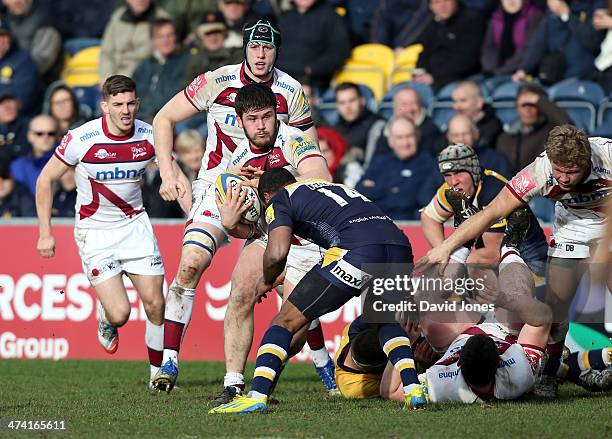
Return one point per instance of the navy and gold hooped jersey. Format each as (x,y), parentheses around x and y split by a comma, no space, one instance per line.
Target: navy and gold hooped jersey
(332,215)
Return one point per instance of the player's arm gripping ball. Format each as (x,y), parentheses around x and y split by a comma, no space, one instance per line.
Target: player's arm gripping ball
(231,211)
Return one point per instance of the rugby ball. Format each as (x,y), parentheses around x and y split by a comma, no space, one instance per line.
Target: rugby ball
(230,180)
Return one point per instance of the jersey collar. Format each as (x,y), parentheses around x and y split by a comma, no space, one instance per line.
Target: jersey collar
(246,79)
(111,136)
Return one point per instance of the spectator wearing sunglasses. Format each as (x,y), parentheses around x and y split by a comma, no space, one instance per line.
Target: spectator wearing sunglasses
(42,135)
(537,115)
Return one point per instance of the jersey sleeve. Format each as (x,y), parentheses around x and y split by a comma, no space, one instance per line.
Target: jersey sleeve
(300,147)
(68,150)
(278,213)
(199,92)
(492,185)
(300,115)
(441,199)
(532,180)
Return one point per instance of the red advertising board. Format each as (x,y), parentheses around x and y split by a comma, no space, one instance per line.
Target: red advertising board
(48,308)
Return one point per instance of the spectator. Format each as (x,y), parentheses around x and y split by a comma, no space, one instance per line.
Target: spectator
(407,103)
(42,136)
(315,115)
(468,101)
(451,44)
(236,14)
(82,22)
(461,129)
(211,53)
(62,104)
(162,75)
(127,37)
(399,23)
(537,115)
(15,199)
(602,68)
(186,15)
(356,123)
(358,18)
(333,146)
(13,129)
(189,146)
(513,24)
(400,181)
(18,72)
(34,32)
(565,43)
(65,194)
(315,42)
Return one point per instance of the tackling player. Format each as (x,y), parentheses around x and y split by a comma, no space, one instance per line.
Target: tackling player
(215,92)
(575,172)
(112,231)
(355,232)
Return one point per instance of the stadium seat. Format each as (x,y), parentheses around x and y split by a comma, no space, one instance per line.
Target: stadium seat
(365,74)
(74,45)
(581,100)
(441,110)
(81,70)
(604,115)
(378,55)
(503,100)
(327,103)
(89,99)
(405,62)
(425,92)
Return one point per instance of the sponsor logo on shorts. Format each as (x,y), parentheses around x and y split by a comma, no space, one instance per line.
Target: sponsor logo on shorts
(522,183)
(348,274)
(156,261)
(89,135)
(97,271)
(104,154)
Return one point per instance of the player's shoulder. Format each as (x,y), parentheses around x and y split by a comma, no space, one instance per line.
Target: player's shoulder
(224,74)
(284,81)
(141,127)
(296,139)
(86,133)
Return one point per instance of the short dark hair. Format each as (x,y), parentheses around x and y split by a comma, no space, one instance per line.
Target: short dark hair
(274,180)
(479,360)
(530,88)
(367,352)
(116,84)
(73,98)
(160,22)
(252,97)
(349,86)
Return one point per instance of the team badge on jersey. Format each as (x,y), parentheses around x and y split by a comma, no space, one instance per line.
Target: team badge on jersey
(269,214)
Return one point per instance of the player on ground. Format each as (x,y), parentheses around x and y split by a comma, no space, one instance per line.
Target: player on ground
(575,172)
(354,232)
(215,92)
(269,144)
(112,231)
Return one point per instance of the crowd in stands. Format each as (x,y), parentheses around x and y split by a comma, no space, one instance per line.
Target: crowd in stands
(469,51)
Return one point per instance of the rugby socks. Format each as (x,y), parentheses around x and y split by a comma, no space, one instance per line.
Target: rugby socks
(460,255)
(179,307)
(234,379)
(508,256)
(316,343)
(271,355)
(554,352)
(577,362)
(396,345)
(154,338)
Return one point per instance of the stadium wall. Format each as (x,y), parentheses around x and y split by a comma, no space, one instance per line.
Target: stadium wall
(48,309)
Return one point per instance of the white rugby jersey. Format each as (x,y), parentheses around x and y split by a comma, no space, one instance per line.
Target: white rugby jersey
(584,206)
(514,377)
(108,172)
(215,93)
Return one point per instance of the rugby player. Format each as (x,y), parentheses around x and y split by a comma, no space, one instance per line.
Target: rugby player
(574,171)
(354,232)
(113,232)
(215,92)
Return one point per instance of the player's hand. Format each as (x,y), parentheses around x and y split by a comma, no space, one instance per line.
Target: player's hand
(250,172)
(171,188)
(234,206)
(425,355)
(262,289)
(438,255)
(409,323)
(46,246)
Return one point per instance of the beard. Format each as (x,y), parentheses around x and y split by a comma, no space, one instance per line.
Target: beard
(264,143)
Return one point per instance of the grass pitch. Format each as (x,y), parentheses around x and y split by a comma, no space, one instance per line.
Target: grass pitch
(110,399)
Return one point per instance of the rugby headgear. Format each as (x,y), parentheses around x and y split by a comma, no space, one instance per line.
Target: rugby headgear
(459,157)
(263,31)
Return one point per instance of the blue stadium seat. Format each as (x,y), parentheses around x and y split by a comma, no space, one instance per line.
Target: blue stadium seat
(425,92)
(604,115)
(503,100)
(581,100)
(74,45)
(327,103)
(441,109)
(89,98)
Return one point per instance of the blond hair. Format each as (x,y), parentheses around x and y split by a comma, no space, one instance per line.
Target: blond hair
(187,140)
(568,145)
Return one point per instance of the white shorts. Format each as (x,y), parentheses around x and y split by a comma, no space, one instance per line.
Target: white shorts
(204,208)
(132,248)
(300,260)
(574,239)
